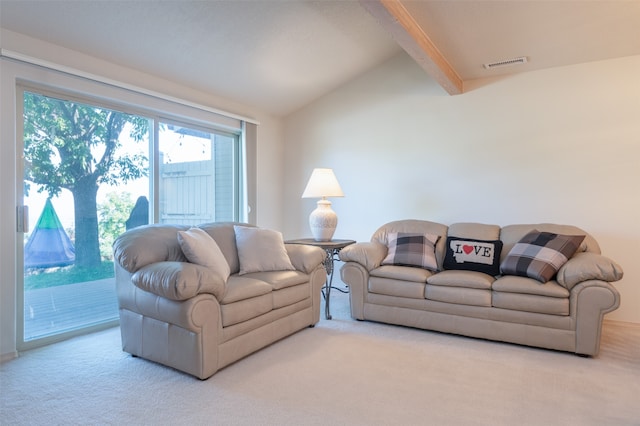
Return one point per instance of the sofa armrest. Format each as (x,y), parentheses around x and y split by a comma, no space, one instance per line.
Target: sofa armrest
(148,244)
(586,266)
(356,277)
(179,280)
(305,258)
(370,255)
(589,302)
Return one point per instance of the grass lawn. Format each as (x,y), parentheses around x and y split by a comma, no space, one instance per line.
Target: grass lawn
(67,275)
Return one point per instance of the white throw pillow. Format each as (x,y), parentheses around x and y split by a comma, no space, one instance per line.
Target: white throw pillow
(261,250)
(199,248)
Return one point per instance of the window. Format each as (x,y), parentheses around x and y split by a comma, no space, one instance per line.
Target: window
(199,179)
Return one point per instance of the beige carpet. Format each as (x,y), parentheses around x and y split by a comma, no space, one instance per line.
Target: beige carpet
(342,372)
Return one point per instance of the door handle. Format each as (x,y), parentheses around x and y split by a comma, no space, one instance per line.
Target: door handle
(22,219)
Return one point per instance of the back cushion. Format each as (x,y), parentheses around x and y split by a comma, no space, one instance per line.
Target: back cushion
(414,226)
(511,234)
(476,231)
(225,237)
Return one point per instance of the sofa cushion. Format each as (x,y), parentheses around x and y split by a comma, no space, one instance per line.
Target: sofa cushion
(458,295)
(178,280)
(530,303)
(280,279)
(290,295)
(392,287)
(466,279)
(199,248)
(245,309)
(476,231)
(539,255)
(240,288)
(524,285)
(224,235)
(473,255)
(411,249)
(261,250)
(404,273)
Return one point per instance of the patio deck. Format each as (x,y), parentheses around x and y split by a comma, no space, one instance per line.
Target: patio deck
(69,307)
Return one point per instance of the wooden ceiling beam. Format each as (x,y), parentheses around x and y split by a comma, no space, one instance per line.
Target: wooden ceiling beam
(404,29)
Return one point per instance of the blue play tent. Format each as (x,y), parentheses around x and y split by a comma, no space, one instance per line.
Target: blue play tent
(49,245)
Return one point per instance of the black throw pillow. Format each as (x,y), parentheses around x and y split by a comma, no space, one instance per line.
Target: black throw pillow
(473,255)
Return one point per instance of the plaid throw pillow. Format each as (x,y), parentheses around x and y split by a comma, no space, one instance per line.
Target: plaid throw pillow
(408,249)
(539,255)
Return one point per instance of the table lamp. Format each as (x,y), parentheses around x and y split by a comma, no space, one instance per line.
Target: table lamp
(323,220)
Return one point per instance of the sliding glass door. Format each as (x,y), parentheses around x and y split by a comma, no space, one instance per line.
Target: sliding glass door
(91,172)
(85,168)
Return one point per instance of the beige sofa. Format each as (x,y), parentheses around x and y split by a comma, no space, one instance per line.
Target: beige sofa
(199,318)
(562,310)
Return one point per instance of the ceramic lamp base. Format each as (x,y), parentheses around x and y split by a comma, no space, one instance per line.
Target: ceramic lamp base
(323,221)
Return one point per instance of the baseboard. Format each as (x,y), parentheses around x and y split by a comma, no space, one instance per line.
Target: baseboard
(618,323)
(8,356)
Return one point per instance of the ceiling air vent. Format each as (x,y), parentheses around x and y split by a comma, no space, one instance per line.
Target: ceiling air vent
(506,62)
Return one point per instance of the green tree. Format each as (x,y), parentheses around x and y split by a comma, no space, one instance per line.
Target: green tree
(68,145)
(112,215)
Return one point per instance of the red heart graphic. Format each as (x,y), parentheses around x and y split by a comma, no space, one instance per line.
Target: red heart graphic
(467,249)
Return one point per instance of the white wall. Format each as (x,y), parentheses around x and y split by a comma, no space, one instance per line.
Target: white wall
(270,174)
(559,145)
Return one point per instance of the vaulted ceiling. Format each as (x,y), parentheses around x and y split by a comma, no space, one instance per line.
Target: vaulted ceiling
(280,55)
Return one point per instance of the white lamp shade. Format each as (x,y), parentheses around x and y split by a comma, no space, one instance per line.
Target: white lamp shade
(322,184)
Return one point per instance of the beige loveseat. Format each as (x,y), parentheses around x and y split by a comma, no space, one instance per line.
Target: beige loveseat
(198,318)
(510,299)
